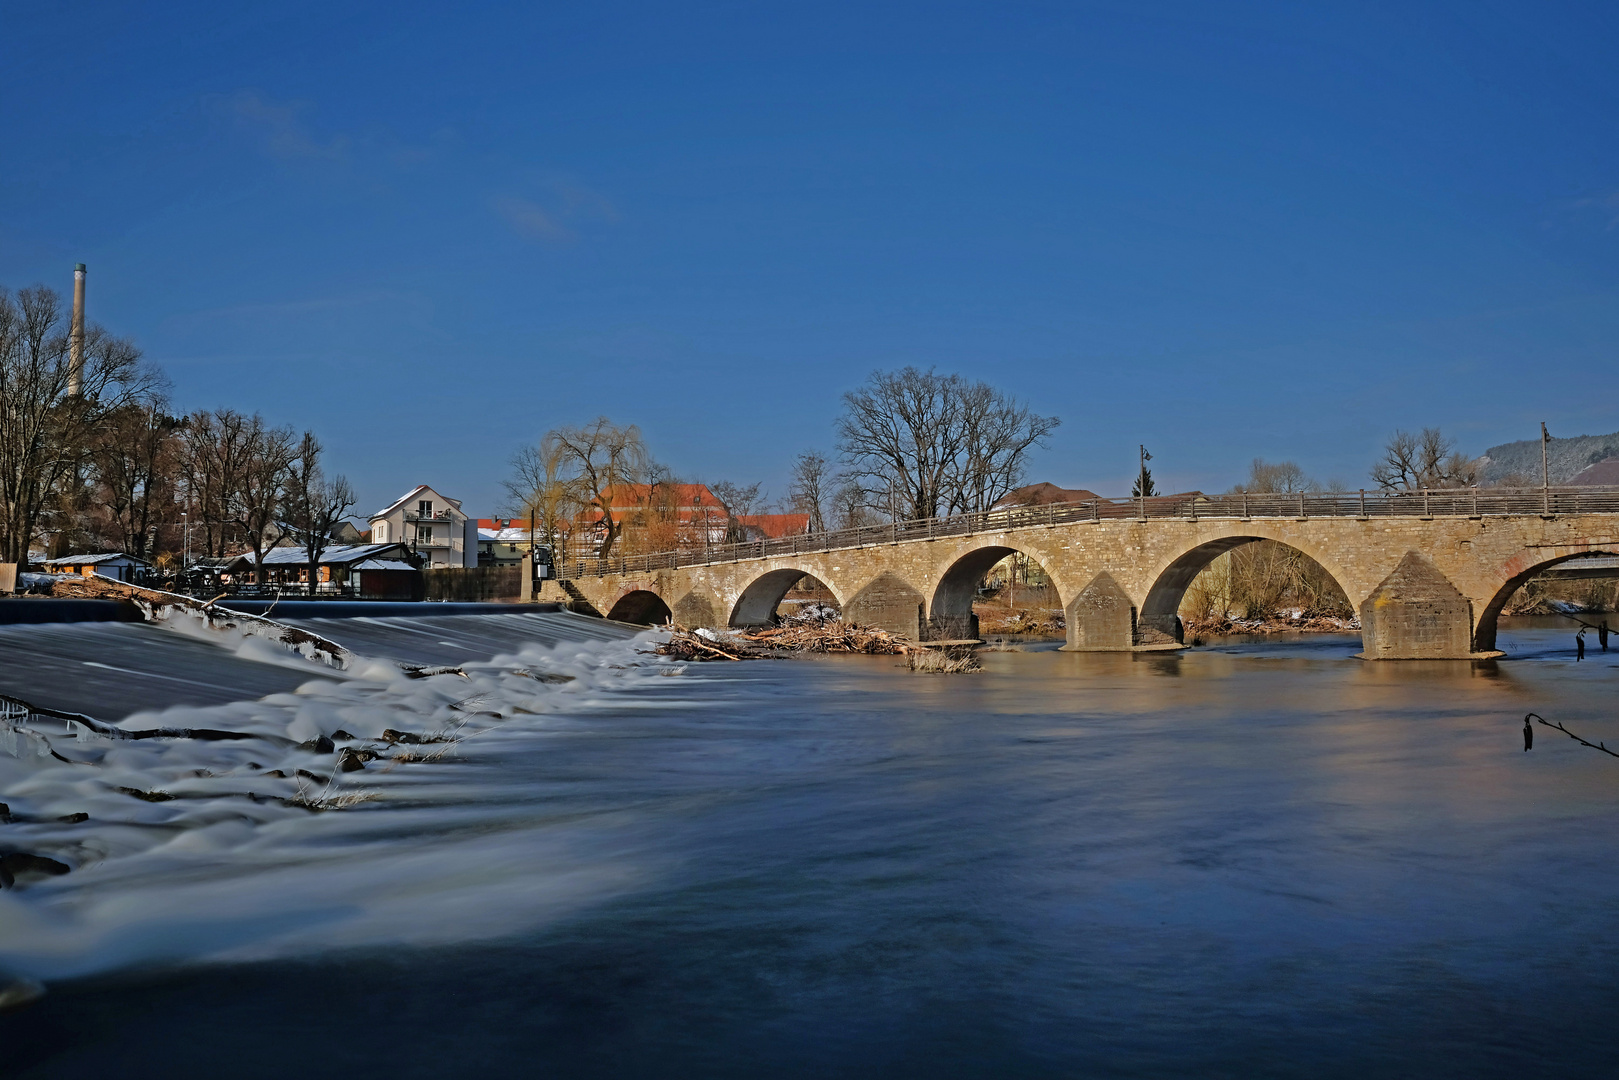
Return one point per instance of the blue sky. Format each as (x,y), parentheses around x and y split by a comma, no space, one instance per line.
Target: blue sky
(430,232)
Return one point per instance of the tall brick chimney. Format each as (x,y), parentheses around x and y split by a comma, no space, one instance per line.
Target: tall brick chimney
(75,361)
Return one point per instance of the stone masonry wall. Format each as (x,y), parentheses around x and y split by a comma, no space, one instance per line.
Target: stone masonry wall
(894,585)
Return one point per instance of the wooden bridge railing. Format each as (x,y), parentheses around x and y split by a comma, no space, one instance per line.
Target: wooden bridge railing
(1453,502)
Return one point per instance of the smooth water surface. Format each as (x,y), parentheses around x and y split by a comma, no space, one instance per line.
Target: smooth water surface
(1262,858)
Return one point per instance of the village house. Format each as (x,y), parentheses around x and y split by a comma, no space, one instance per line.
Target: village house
(114,564)
(1043,494)
(504,542)
(360,571)
(430,526)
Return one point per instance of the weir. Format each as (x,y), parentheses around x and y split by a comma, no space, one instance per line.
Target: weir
(97,662)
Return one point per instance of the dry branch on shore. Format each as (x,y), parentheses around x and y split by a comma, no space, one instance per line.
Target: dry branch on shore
(828,637)
(156,605)
(1276,624)
(831,637)
(764,644)
(944,661)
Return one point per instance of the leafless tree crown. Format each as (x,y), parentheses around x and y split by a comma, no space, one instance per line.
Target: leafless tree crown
(47,437)
(740,501)
(1428,460)
(917,443)
(1276,478)
(311,506)
(579,468)
(811,488)
(542,488)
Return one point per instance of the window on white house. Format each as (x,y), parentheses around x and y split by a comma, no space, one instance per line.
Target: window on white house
(425,506)
(380,534)
(424,534)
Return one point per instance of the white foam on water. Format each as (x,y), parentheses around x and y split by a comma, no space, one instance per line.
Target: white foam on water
(428,852)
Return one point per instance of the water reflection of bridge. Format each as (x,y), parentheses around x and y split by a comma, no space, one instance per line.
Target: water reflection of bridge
(1428,571)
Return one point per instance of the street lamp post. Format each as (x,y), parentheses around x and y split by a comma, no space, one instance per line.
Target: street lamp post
(1545,471)
(1141,482)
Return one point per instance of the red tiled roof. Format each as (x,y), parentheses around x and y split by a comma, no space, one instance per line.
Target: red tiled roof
(776,526)
(685,496)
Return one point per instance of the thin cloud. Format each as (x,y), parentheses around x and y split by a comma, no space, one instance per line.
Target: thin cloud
(1605,205)
(579,201)
(278,125)
(530,219)
(557,212)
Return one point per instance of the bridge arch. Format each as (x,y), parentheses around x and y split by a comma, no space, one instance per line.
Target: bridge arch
(757,604)
(950,615)
(1518,572)
(641,606)
(1159,621)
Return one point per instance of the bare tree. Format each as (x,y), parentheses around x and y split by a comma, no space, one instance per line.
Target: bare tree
(1429,460)
(135,460)
(850,509)
(1275,478)
(811,488)
(899,434)
(998,433)
(255,503)
(916,441)
(661,521)
(538,489)
(45,433)
(311,506)
(597,459)
(739,502)
(218,446)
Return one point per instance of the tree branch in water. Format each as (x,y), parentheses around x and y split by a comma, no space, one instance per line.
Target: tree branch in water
(1570,734)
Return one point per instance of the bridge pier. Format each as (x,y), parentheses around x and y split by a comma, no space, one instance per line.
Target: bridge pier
(1417,614)
(888,603)
(1103,618)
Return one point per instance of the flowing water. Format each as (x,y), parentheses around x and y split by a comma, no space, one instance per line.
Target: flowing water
(1263,858)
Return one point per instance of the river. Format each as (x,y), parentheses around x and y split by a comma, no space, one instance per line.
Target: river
(1262,858)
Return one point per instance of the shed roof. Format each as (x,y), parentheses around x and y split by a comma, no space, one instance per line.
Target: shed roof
(382,564)
(336,555)
(103,559)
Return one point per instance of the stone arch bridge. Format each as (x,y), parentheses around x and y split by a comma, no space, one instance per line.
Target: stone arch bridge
(1428,571)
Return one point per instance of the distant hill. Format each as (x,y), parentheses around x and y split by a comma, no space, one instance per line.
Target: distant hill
(1564,457)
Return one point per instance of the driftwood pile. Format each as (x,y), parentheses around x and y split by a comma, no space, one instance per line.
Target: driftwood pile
(1035,623)
(1277,624)
(831,637)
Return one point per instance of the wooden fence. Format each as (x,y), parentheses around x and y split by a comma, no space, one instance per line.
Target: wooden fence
(474,584)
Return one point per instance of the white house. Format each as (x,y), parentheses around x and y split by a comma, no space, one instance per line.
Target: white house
(430,525)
